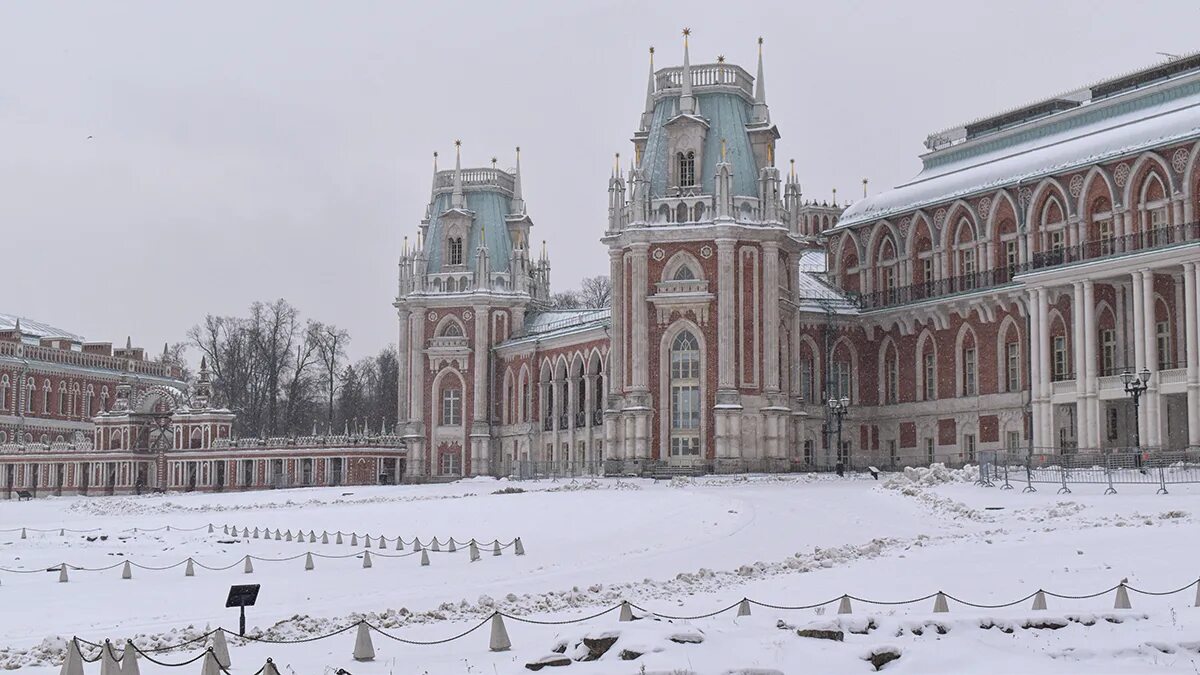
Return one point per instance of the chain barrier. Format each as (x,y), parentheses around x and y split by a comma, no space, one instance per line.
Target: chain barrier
(675,617)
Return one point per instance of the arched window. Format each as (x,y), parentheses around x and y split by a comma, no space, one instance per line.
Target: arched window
(4,393)
(197,440)
(891,375)
(87,401)
(46,397)
(687,169)
(454,248)
(685,396)
(451,407)
(698,212)
(451,329)
(104,399)
(684,273)
(681,213)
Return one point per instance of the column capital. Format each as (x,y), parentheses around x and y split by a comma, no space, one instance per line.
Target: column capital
(724,244)
(639,248)
(1088,283)
(616,254)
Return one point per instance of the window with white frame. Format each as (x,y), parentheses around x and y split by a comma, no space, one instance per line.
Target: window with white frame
(969,447)
(1105,229)
(1012,363)
(4,393)
(685,396)
(927,270)
(806,379)
(451,407)
(1108,351)
(1012,440)
(455,250)
(1060,358)
(891,378)
(1162,333)
(687,169)
(841,379)
(969,371)
(1057,240)
(930,383)
(1011,254)
(929,450)
(449,463)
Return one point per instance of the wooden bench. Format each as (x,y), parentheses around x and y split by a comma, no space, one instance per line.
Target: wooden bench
(669,472)
(24,495)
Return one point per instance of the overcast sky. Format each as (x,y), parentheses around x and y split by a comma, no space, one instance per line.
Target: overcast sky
(253,150)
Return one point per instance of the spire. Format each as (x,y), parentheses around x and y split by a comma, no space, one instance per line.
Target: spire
(435,169)
(518,201)
(760,115)
(128,343)
(456,199)
(687,104)
(649,111)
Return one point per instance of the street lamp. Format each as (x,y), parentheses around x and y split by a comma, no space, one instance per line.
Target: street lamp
(838,408)
(1135,386)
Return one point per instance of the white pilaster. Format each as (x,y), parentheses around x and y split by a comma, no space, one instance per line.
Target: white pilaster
(1192,342)
(771,316)
(1090,347)
(1047,439)
(1152,398)
(1078,353)
(616,352)
(1035,366)
(640,318)
(1139,348)
(725,317)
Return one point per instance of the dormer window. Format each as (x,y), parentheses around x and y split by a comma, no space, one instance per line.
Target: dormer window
(687,169)
(455,248)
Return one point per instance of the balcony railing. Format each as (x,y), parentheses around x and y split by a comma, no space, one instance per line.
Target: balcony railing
(1095,249)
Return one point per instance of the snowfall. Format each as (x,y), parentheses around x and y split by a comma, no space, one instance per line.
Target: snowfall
(671,549)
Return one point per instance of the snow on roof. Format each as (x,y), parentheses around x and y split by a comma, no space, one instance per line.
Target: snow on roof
(1094,132)
(559,319)
(36,328)
(813,260)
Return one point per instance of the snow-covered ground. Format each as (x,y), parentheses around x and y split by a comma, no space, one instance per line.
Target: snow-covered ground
(688,547)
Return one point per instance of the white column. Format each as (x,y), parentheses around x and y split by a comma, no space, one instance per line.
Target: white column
(1035,366)
(726,292)
(616,353)
(640,329)
(1090,345)
(417,351)
(770,315)
(1078,352)
(1153,421)
(1192,342)
(480,367)
(1043,351)
(1139,347)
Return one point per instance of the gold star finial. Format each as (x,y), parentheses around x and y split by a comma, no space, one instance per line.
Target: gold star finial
(457,143)
(760,39)
(720,58)
(651,50)
(493,162)
(687,32)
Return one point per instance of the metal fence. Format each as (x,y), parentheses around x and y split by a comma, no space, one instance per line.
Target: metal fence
(1127,466)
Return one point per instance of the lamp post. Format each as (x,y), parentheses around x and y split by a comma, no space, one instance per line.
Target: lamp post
(1135,386)
(838,408)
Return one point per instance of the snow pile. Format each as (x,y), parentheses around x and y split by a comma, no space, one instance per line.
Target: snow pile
(935,474)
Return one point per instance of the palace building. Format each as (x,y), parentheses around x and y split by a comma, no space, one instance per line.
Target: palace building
(991,302)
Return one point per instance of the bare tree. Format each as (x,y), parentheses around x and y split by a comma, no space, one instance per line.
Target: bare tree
(331,352)
(565,300)
(596,292)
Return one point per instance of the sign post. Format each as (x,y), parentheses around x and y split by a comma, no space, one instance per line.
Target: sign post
(242,596)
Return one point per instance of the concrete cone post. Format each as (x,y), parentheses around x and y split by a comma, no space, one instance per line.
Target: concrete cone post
(312,537)
(1039,600)
(23,533)
(108,660)
(518,546)
(63,533)
(245,533)
(1198,593)
(939,604)
(220,647)
(382,542)
(210,665)
(190,570)
(366,560)
(424,558)
(73,664)
(363,649)
(368,542)
(308,562)
(210,528)
(62,573)
(474,549)
(225,529)
(339,538)
(1122,601)
(451,547)
(269,668)
(844,605)
(354,539)
(129,660)
(278,536)
(248,567)
(126,571)
(287,536)
(416,543)
(499,641)
(324,537)
(496,547)
(626,612)
(435,546)
(168,528)
(256,533)
(744,607)
(399,543)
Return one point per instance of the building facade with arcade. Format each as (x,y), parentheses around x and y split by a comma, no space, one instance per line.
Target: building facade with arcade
(992,302)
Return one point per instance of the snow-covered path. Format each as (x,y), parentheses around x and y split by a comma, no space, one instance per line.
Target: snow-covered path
(687,548)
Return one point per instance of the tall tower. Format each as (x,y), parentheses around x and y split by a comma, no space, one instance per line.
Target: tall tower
(464,287)
(703,252)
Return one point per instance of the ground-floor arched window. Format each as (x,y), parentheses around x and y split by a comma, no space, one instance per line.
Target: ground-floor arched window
(685,396)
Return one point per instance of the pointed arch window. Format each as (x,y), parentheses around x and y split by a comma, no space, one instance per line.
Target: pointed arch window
(454,249)
(687,168)
(4,393)
(685,396)
(684,273)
